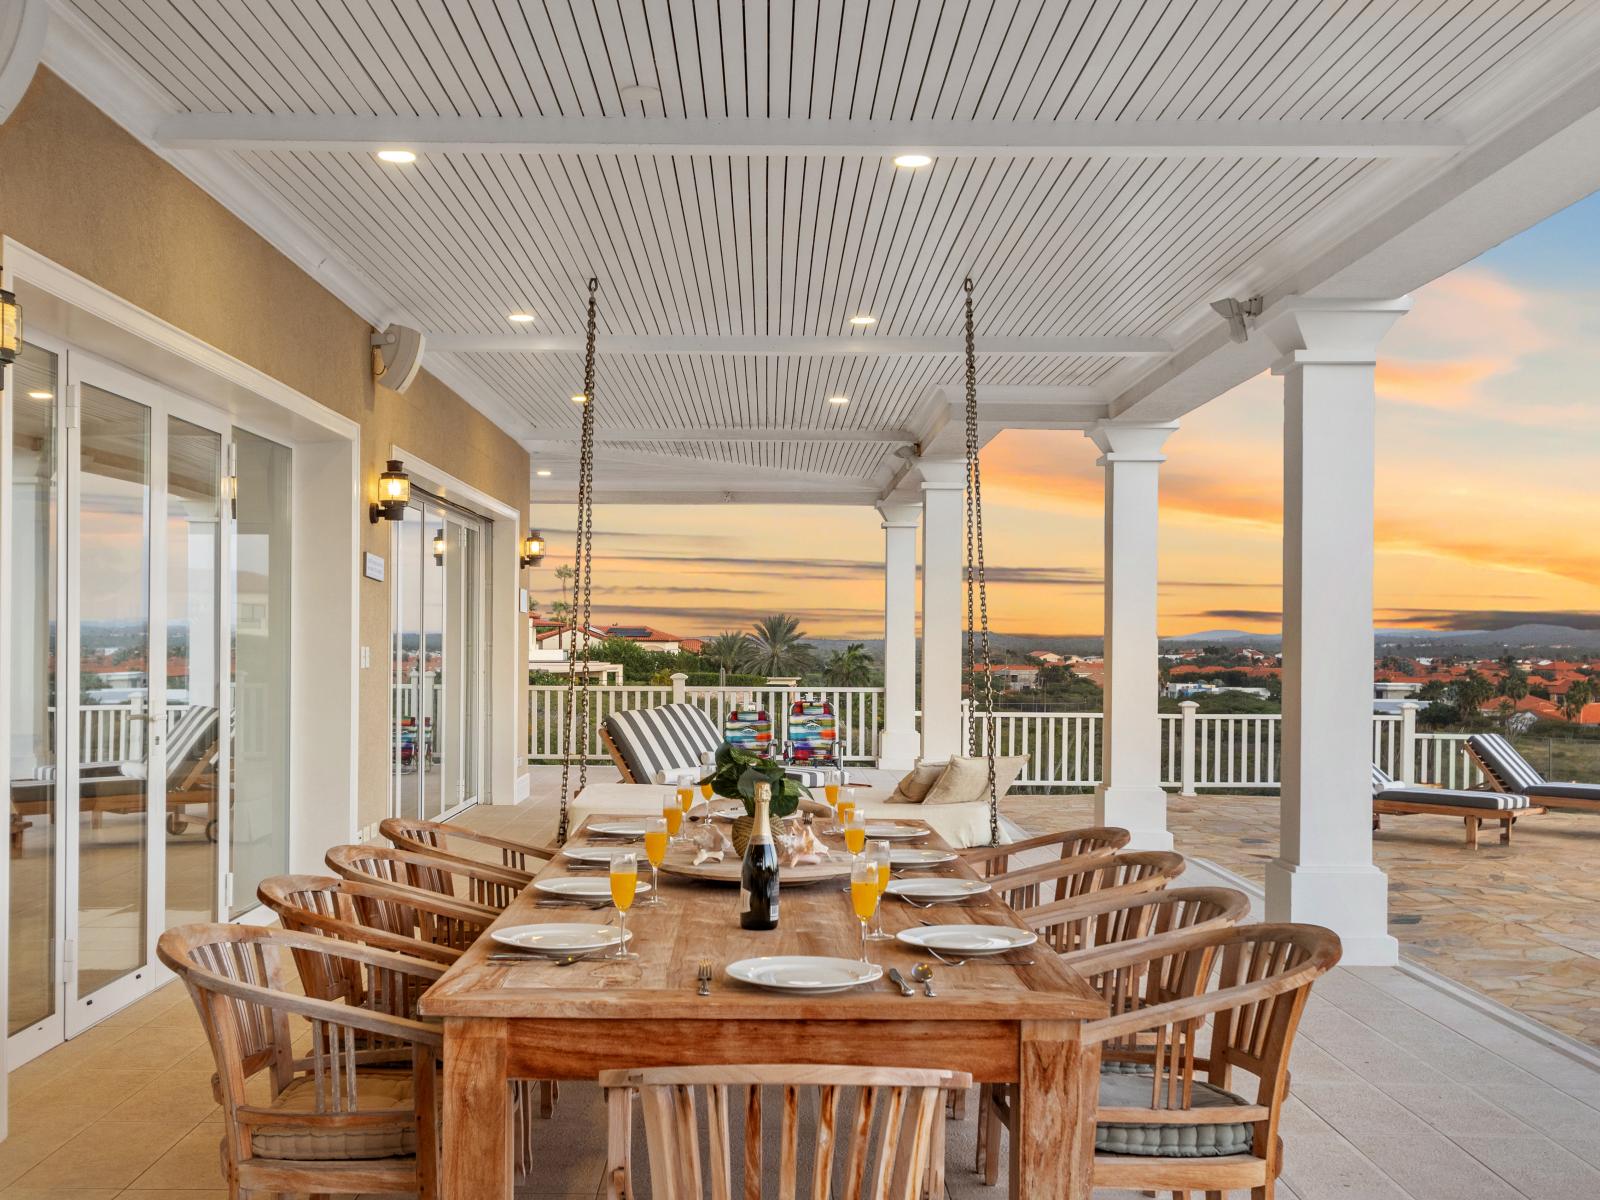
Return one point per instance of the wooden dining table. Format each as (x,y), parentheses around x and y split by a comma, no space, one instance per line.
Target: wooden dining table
(1014,1020)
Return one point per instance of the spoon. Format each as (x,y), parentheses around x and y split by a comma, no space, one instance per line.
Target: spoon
(923,974)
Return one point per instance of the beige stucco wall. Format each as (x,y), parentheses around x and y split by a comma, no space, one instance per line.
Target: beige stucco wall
(77,188)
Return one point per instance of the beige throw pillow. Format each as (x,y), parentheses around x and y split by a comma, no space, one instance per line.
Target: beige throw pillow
(967,779)
(914,787)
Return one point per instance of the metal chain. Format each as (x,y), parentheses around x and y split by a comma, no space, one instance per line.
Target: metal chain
(976,581)
(578,679)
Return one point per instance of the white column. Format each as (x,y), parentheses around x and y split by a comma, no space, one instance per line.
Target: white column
(898,746)
(943,560)
(1324,873)
(1130,793)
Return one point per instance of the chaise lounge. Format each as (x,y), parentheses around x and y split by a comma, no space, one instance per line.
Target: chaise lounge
(1508,771)
(1402,799)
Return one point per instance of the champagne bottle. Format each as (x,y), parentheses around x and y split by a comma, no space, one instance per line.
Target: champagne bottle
(758,881)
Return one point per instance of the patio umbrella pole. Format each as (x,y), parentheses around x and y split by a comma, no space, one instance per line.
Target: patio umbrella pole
(980,730)
(576,726)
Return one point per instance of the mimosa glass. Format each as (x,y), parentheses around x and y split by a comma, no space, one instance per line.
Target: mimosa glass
(863,897)
(845,810)
(855,833)
(685,797)
(624,883)
(878,856)
(672,815)
(655,848)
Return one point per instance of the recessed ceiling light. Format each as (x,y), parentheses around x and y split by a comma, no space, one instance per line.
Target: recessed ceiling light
(641,93)
(863,319)
(397,156)
(838,399)
(580,398)
(911,161)
(542,473)
(521,318)
(41,395)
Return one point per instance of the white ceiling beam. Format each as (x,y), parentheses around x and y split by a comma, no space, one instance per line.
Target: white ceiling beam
(865,344)
(733,494)
(762,137)
(568,437)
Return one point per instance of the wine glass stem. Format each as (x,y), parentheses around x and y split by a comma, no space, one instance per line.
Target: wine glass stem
(863,941)
(622,936)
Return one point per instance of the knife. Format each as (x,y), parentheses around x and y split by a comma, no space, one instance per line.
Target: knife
(900,981)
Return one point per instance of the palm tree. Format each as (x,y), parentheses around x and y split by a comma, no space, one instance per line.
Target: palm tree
(1579,694)
(776,646)
(727,650)
(850,667)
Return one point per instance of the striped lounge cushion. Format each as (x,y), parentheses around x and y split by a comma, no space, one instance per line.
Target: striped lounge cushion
(1506,769)
(1455,798)
(655,741)
(1381,779)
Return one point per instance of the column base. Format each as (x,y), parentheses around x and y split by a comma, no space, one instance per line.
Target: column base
(898,749)
(1352,900)
(1141,809)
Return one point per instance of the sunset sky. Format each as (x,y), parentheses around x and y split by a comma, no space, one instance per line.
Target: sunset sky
(1488,492)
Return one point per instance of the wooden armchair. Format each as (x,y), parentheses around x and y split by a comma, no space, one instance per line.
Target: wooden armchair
(905,1148)
(446,842)
(1167,1120)
(358,1111)
(482,888)
(1098,921)
(1035,890)
(990,861)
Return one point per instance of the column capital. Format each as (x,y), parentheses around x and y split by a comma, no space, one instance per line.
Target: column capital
(900,514)
(1131,441)
(1310,330)
(937,475)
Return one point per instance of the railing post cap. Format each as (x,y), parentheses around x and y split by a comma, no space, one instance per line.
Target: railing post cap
(683,675)
(1189,704)
(1412,705)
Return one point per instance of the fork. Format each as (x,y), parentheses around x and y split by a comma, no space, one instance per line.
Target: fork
(703,974)
(936,903)
(987,960)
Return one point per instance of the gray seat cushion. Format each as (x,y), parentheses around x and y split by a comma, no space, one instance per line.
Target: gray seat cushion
(670,738)
(1128,1085)
(1455,798)
(1566,791)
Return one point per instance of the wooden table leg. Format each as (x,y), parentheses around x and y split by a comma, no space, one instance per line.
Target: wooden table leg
(477,1104)
(1052,1143)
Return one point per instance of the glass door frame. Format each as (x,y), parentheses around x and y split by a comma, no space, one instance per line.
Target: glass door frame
(76,368)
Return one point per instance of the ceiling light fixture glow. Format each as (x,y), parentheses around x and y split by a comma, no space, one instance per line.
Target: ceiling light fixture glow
(580,398)
(911,161)
(542,473)
(521,318)
(41,395)
(863,319)
(397,156)
(838,399)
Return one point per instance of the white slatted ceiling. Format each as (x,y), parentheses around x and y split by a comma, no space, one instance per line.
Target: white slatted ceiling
(703,245)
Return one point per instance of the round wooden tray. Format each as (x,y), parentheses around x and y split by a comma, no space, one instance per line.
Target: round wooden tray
(729,870)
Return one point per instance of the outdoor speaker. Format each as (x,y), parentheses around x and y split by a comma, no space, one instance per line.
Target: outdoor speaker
(397,356)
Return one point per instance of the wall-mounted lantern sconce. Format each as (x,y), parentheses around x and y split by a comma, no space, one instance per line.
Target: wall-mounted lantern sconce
(533,548)
(10,328)
(438,546)
(394,493)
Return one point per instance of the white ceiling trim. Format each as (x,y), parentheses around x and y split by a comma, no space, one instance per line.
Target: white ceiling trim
(866,345)
(761,137)
(618,436)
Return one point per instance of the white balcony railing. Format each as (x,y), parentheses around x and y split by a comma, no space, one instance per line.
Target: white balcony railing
(1226,752)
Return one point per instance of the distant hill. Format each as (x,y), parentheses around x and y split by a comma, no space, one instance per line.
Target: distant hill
(1514,637)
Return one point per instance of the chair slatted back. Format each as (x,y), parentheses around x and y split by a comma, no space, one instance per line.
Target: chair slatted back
(485,887)
(1108,918)
(1045,895)
(459,844)
(990,861)
(884,1152)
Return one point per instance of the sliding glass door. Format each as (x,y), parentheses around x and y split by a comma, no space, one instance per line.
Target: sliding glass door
(136,516)
(437,659)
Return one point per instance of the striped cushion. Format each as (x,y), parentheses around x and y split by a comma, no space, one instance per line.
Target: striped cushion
(1566,791)
(653,741)
(1454,798)
(811,777)
(1505,768)
(192,734)
(1381,779)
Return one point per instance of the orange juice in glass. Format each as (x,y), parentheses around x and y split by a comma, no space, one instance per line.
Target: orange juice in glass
(830,788)
(672,815)
(655,848)
(624,883)
(863,897)
(846,810)
(685,797)
(855,833)
(878,856)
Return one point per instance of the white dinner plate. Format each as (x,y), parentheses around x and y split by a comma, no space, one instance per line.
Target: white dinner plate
(910,856)
(584,889)
(968,939)
(594,854)
(558,937)
(727,812)
(933,890)
(893,833)
(804,974)
(623,829)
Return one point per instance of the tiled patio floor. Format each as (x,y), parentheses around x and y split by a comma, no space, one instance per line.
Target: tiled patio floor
(1518,923)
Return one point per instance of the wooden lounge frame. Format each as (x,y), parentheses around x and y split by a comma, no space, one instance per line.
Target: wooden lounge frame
(1472,817)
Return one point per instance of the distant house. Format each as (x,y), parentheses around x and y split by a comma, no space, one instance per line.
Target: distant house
(1048,658)
(652,639)
(1012,677)
(1190,688)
